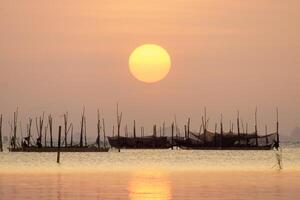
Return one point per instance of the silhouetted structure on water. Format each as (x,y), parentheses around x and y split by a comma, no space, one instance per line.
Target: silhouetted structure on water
(204,139)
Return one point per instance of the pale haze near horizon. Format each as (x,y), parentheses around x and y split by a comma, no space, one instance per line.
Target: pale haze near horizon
(226,55)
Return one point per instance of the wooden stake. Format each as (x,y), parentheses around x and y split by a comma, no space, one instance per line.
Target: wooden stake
(85,136)
(176,125)
(98,129)
(204,129)
(188,128)
(247,141)
(164,128)
(221,131)
(39,122)
(66,127)
(58,145)
(103,123)
(71,135)
(45,135)
(238,127)
(154,134)
(81,129)
(216,125)
(50,130)
(1,145)
(172,139)
(277,128)
(119,119)
(14,139)
(205,126)
(256,136)
(134,133)
(154,130)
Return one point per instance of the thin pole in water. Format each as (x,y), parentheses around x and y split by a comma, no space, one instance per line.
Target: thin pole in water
(256,135)
(172,140)
(1,147)
(238,127)
(277,127)
(58,146)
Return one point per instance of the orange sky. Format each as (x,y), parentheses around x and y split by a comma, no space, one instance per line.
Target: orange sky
(227,55)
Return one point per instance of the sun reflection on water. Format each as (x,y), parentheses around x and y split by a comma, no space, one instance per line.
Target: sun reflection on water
(149,185)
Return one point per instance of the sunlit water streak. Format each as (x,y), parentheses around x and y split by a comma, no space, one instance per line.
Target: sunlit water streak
(151,174)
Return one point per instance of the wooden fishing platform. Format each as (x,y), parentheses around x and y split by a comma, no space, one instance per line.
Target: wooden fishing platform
(241,139)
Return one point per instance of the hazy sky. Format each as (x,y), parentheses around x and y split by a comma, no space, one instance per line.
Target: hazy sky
(227,55)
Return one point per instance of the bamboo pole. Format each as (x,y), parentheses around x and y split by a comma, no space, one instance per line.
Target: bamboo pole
(15,129)
(29,132)
(243,129)
(21,130)
(154,134)
(134,132)
(172,139)
(221,132)
(50,130)
(66,127)
(164,128)
(205,126)
(188,128)
(247,140)
(215,143)
(238,127)
(45,135)
(154,130)
(119,120)
(176,130)
(204,133)
(58,145)
(103,124)
(81,128)
(98,129)
(85,136)
(39,122)
(256,136)
(1,145)
(71,144)
(277,129)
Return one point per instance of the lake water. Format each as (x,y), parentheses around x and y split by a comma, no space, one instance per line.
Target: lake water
(152,174)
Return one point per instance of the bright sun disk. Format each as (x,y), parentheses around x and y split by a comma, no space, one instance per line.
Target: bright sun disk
(149,63)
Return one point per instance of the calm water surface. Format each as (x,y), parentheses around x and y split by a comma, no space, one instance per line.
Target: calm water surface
(151,174)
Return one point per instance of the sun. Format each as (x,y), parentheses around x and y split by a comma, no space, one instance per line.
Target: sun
(149,63)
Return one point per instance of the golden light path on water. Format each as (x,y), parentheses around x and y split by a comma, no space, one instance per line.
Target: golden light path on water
(149,184)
